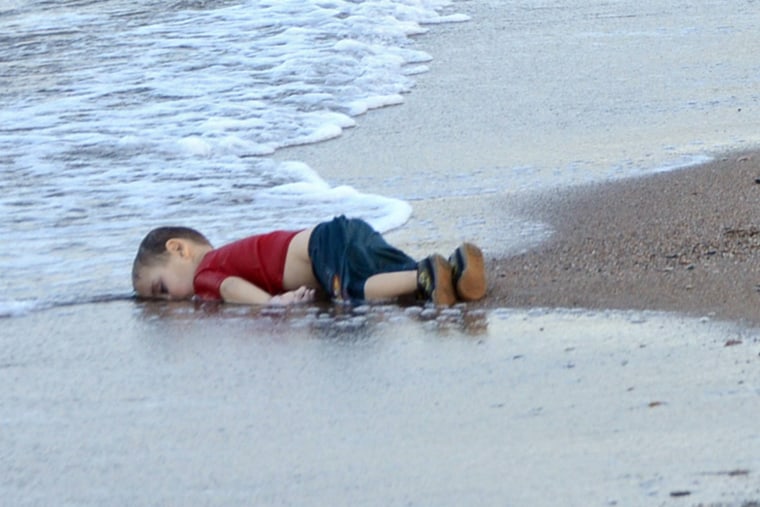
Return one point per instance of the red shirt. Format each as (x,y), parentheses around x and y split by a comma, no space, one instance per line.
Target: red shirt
(257,259)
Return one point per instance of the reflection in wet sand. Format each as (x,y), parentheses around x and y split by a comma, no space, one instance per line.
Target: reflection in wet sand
(328,321)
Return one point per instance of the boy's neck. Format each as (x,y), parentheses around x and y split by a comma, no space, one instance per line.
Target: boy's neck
(199,252)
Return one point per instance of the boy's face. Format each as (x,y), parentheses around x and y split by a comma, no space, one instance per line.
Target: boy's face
(170,280)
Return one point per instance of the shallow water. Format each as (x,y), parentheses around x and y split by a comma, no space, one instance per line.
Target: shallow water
(121,116)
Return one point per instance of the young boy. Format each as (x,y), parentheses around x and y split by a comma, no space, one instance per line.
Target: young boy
(344,257)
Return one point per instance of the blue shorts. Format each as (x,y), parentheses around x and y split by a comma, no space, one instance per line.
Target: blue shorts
(346,252)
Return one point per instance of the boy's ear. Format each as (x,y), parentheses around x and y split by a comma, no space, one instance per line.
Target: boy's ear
(177,246)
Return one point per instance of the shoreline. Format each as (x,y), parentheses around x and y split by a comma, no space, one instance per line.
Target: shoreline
(686,241)
(491,150)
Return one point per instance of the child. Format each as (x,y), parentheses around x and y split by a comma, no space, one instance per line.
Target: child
(344,257)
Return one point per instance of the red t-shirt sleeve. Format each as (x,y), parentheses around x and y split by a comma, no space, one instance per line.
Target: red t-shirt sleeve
(207,284)
(258,259)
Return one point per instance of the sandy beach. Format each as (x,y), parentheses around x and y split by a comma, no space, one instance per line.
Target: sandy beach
(614,361)
(684,242)
(128,404)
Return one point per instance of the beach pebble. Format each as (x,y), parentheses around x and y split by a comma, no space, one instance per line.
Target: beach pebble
(413,311)
(361,310)
(428,313)
(273,311)
(450,312)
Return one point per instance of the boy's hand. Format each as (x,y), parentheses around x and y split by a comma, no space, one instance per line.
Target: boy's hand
(300,295)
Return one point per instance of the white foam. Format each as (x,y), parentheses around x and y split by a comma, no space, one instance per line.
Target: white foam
(383,101)
(310,192)
(242,147)
(17,308)
(682,163)
(323,133)
(195,145)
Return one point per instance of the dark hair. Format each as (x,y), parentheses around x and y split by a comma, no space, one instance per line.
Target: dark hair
(152,250)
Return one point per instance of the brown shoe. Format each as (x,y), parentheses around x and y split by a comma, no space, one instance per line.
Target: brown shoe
(434,280)
(469,272)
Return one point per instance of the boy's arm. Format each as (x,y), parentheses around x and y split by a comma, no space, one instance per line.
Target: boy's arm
(238,290)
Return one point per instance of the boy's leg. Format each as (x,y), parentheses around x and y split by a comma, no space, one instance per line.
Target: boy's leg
(432,279)
(390,285)
(352,261)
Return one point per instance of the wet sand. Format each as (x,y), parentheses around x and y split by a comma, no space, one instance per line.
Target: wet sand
(513,401)
(126,403)
(685,241)
(180,404)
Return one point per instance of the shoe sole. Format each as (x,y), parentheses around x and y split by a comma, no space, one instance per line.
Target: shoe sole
(443,293)
(471,281)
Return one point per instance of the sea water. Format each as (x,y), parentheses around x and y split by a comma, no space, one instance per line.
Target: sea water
(118,116)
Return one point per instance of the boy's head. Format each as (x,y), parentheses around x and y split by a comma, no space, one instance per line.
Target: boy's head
(165,263)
